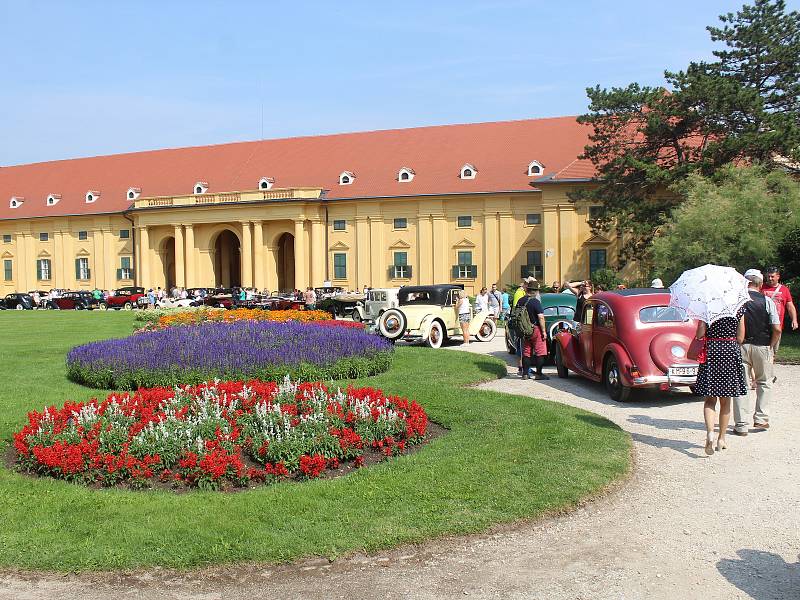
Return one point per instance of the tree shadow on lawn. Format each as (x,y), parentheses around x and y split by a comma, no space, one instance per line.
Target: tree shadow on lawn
(762,575)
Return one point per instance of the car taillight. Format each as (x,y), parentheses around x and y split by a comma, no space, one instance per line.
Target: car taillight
(634,371)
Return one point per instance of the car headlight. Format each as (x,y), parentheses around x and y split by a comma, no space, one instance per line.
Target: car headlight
(678,351)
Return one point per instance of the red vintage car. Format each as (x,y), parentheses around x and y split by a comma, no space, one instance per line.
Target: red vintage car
(126,298)
(629,339)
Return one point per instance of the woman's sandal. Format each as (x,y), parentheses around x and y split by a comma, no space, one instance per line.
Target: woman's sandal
(709,447)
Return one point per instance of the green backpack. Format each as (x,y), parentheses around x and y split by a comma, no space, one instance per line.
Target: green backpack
(519,320)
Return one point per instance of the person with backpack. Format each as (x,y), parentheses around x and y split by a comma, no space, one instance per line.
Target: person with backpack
(519,294)
(527,320)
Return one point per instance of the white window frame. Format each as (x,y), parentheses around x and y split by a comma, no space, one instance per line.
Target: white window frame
(408,172)
(535,169)
(265,183)
(41,262)
(133,193)
(125,272)
(346,178)
(52,199)
(83,268)
(468,167)
(200,185)
(16,201)
(92,196)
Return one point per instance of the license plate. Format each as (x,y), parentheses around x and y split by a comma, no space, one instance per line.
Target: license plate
(683,371)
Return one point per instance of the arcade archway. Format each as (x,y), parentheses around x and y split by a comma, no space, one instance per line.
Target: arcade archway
(227,260)
(285,262)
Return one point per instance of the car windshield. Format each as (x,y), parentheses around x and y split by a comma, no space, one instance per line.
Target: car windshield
(662,314)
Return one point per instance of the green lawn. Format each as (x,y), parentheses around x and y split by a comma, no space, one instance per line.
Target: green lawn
(789,352)
(504,458)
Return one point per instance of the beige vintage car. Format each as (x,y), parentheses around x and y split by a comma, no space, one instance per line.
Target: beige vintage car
(427,313)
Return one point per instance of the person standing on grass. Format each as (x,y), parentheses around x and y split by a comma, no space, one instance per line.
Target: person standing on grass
(464,311)
(761,334)
(781,296)
(720,375)
(534,348)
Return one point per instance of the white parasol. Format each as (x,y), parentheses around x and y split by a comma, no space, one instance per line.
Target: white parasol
(709,293)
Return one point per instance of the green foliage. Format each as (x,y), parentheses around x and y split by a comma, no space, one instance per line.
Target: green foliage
(606,279)
(503,458)
(735,219)
(789,253)
(745,106)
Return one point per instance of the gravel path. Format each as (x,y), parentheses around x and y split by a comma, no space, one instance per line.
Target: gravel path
(685,526)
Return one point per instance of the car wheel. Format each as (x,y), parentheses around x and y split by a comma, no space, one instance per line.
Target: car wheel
(613,380)
(435,335)
(102,306)
(561,368)
(392,325)
(511,346)
(79,307)
(487,331)
(356,316)
(19,307)
(128,306)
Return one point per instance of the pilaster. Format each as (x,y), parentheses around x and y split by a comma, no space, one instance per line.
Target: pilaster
(190,256)
(300,262)
(143,268)
(259,276)
(180,254)
(246,254)
(318,254)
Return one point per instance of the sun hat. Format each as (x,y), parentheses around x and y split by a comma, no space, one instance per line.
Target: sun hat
(753,274)
(533,286)
(657,283)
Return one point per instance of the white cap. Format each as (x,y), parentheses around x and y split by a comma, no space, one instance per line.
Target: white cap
(657,283)
(752,274)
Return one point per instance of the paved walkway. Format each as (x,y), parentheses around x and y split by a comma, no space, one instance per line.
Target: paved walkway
(685,526)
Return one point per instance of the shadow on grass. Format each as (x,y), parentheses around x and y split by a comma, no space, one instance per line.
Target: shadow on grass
(762,575)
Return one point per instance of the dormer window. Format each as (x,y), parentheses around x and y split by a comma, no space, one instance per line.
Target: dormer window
(134,193)
(92,196)
(535,169)
(16,201)
(52,199)
(201,187)
(265,183)
(405,174)
(468,171)
(346,178)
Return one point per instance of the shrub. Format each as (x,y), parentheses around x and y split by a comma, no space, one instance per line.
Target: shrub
(239,350)
(216,434)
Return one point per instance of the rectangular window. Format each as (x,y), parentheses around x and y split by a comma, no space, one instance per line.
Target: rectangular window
(124,234)
(43,269)
(594,212)
(6,238)
(533,219)
(82,269)
(465,269)
(465,221)
(43,237)
(83,235)
(125,271)
(401,223)
(339,225)
(597,260)
(8,270)
(340,265)
(401,269)
(533,265)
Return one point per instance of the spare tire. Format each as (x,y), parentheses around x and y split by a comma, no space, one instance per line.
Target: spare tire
(392,324)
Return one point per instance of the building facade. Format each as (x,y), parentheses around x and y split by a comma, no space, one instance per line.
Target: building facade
(472,204)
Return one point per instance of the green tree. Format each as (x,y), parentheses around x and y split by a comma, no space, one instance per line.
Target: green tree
(737,218)
(789,253)
(744,108)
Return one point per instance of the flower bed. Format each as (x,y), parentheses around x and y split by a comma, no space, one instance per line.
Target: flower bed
(239,350)
(217,434)
(240,314)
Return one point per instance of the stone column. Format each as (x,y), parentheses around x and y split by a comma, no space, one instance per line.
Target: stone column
(300,262)
(317,252)
(180,260)
(189,256)
(440,250)
(246,255)
(271,274)
(259,280)
(143,268)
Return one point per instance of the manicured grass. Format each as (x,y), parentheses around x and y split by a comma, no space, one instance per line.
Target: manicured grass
(504,458)
(789,352)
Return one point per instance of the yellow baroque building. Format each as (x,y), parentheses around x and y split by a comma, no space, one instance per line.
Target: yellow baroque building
(475,204)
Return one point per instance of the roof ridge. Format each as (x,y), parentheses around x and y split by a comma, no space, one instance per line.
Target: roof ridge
(295,137)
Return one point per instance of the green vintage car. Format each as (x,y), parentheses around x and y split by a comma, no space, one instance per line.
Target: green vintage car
(558,308)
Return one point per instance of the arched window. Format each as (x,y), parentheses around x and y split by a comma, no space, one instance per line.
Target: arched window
(201,187)
(134,193)
(92,196)
(535,169)
(468,172)
(16,201)
(52,199)
(346,178)
(265,183)
(405,174)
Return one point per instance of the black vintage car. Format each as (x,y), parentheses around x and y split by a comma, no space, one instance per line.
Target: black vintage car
(17,301)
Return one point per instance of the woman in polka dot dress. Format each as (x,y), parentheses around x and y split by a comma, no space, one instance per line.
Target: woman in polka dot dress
(721,373)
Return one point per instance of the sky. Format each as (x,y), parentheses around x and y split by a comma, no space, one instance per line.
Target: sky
(87,78)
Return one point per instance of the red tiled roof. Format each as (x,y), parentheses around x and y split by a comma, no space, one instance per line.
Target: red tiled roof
(500,152)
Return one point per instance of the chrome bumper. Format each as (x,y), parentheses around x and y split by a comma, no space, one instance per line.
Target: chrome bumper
(659,379)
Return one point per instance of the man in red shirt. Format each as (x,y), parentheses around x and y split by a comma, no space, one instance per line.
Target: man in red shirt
(780,295)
